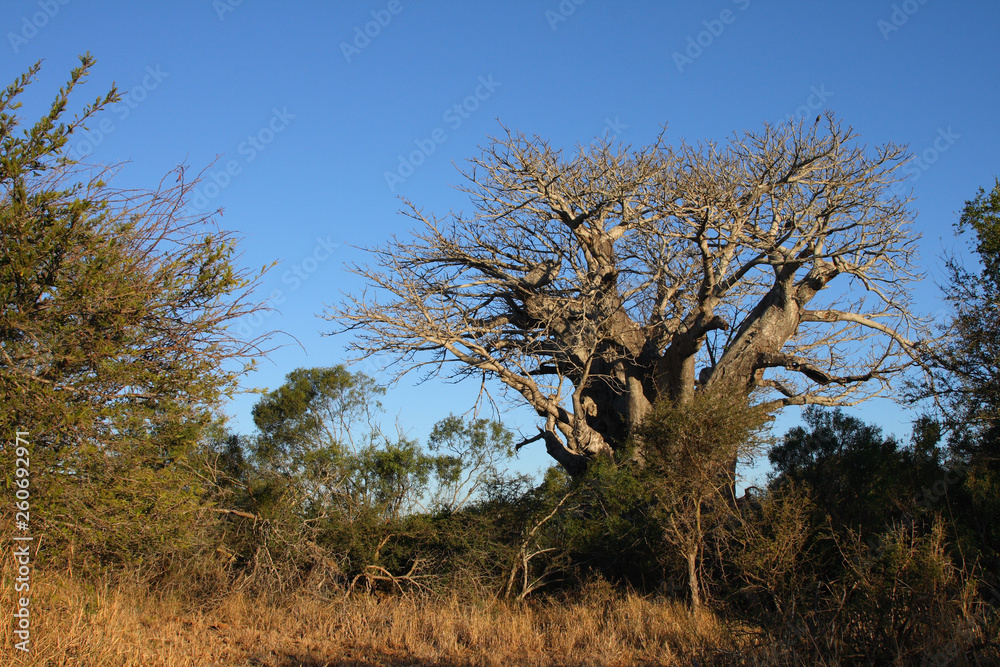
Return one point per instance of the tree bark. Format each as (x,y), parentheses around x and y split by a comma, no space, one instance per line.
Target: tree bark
(693,586)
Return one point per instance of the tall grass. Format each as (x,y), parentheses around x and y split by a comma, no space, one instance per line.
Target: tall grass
(128,620)
(76,622)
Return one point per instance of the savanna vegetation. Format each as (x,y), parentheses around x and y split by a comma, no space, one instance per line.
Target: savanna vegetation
(599,287)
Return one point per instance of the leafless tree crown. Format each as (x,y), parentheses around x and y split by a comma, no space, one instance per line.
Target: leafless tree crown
(594,285)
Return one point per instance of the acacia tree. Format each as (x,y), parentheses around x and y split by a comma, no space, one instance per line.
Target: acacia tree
(594,285)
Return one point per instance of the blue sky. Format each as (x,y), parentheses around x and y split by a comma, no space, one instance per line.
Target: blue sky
(300,110)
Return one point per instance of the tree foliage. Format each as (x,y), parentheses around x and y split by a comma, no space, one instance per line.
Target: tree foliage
(114,341)
(852,470)
(320,433)
(468,460)
(324,487)
(862,547)
(689,451)
(968,361)
(966,378)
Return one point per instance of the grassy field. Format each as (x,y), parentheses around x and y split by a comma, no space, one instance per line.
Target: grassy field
(76,623)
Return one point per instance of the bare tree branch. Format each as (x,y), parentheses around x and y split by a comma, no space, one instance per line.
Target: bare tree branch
(593,285)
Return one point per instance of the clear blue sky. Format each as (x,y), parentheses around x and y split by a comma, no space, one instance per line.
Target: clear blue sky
(311,113)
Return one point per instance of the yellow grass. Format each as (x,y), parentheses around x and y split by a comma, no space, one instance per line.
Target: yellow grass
(74,623)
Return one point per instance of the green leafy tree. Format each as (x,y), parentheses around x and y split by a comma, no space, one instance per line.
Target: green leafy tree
(115,347)
(968,363)
(848,553)
(319,433)
(851,469)
(966,380)
(315,406)
(689,452)
(860,483)
(469,461)
(308,430)
(328,484)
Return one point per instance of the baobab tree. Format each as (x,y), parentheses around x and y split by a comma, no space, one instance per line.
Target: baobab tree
(594,285)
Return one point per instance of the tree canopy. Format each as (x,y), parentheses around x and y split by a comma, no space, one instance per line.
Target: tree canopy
(593,285)
(115,310)
(967,362)
(320,432)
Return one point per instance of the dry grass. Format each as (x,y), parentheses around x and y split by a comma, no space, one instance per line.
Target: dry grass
(128,624)
(75,623)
